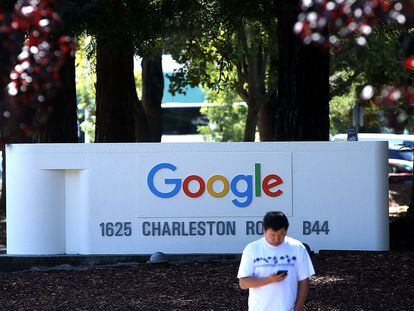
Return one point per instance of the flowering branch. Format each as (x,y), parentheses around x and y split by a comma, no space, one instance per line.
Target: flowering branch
(352,19)
(34,27)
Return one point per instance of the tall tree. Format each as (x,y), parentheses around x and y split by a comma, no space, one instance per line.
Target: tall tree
(124,29)
(251,68)
(267,111)
(303,92)
(116,97)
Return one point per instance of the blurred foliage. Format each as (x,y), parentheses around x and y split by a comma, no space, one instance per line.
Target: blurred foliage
(340,113)
(341,109)
(85,85)
(226,115)
(379,63)
(138,82)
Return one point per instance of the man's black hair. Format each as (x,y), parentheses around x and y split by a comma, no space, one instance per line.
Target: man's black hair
(275,221)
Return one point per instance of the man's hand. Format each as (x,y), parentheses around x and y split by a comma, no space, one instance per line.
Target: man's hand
(273,278)
(251,282)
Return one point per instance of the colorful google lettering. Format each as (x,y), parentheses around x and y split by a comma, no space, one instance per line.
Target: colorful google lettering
(243,198)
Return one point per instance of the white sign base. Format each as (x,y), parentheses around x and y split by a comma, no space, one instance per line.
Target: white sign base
(193,198)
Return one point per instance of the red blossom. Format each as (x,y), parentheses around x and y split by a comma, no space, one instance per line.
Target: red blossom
(39,58)
(393,95)
(348,19)
(409,63)
(345,19)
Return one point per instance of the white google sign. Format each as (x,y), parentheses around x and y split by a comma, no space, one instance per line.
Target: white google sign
(193,198)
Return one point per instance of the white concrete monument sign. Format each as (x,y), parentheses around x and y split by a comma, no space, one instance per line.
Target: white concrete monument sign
(193,198)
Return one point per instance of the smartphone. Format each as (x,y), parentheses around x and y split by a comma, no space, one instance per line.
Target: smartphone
(281,272)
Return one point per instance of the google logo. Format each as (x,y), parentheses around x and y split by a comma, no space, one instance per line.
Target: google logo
(254,183)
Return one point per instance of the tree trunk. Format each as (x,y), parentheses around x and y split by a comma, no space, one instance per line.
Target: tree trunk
(267,112)
(116,96)
(251,122)
(141,124)
(61,120)
(303,93)
(152,92)
(251,70)
(266,118)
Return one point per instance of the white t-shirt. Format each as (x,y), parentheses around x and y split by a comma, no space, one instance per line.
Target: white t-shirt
(260,259)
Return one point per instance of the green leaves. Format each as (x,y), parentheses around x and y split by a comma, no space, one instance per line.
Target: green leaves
(85,86)
(227,116)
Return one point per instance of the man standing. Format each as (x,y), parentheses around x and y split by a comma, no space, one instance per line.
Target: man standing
(275,268)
